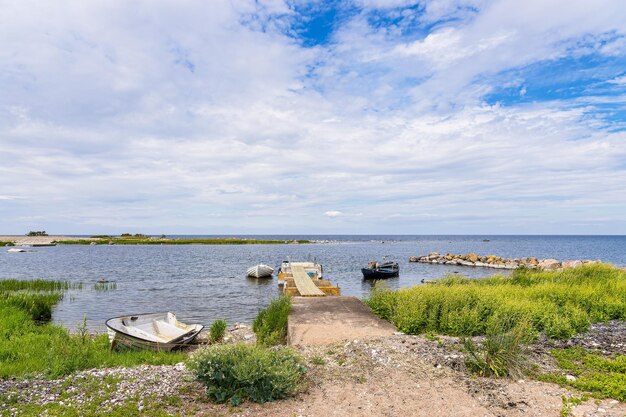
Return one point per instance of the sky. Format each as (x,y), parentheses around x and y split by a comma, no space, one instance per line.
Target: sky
(313,117)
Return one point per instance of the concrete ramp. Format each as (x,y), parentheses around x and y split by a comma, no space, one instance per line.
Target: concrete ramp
(325,320)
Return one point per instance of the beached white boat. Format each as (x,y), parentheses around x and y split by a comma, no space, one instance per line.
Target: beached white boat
(260,271)
(154,331)
(16,250)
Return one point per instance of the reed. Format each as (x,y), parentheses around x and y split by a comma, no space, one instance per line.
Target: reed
(105,286)
(558,303)
(38,285)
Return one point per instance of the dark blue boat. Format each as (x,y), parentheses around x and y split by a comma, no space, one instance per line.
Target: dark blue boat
(375,270)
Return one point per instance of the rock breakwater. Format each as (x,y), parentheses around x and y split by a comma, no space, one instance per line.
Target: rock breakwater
(498,262)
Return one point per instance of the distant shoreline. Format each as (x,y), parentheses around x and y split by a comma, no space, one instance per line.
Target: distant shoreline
(140,240)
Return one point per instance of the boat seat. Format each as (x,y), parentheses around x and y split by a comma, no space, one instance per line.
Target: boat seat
(167,330)
(137,332)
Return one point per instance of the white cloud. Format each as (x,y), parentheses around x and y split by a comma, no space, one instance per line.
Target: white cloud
(183,119)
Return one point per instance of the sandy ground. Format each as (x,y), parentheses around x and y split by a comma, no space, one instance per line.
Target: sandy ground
(36,240)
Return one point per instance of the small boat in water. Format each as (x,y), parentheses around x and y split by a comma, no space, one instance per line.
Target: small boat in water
(376,270)
(260,271)
(15,250)
(154,331)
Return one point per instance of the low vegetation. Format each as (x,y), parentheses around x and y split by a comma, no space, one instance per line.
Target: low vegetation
(31,346)
(127,239)
(240,372)
(217,330)
(558,303)
(7,244)
(502,353)
(270,325)
(592,372)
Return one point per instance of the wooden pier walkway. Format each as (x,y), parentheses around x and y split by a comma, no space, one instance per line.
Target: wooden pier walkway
(304,283)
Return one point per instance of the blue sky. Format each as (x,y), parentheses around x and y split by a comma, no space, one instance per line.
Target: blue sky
(272,116)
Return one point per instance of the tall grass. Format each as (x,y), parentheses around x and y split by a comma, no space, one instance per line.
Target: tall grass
(29,347)
(270,325)
(558,303)
(37,285)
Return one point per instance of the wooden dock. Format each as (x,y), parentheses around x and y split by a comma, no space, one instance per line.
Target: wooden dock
(305,279)
(305,285)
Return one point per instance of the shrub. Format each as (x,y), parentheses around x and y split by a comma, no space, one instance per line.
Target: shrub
(502,353)
(242,372)
(270,325)
(217,330)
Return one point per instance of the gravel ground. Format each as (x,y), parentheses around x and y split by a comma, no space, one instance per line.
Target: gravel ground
(399,375)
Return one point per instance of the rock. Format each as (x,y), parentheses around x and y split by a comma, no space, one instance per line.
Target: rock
(472,257)
(571,264)
(414,259)
(570,378)
(549,264)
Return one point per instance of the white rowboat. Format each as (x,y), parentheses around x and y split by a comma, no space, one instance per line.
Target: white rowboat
(260,271)
(16,250)
(154,331)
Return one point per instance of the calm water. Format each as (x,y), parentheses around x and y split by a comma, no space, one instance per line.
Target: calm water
(202,283)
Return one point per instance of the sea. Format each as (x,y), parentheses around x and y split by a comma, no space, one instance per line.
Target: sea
(202,283)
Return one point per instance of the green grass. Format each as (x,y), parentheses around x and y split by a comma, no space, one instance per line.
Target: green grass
(270,325)
(7,244)
(143,240)
(217,330)
(558,303)
(29,348)
(601,376)
(240,372)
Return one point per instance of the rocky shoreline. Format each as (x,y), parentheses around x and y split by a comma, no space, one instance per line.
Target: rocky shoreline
(498,262)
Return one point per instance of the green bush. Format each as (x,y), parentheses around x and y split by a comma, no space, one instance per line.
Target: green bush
(270,325)
(217,330)
(242,372)
(559,303)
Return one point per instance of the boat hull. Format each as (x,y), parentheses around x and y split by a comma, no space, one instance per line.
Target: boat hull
(379,274)
(260,271)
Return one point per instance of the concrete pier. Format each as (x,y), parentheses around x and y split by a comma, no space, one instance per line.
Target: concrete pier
(324,320)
